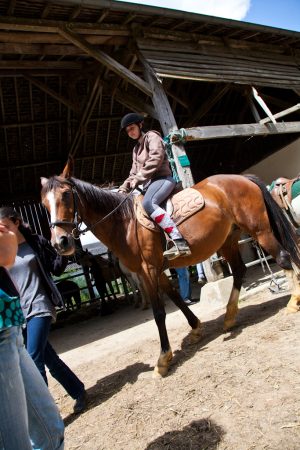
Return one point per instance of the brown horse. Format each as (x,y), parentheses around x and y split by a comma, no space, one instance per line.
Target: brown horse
(233,203)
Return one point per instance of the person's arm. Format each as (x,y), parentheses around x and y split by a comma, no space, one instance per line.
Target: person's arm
(8,247)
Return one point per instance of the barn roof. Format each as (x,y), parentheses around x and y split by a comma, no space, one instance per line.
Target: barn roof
(70,69)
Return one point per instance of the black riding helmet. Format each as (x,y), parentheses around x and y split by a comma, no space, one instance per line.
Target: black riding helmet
(131,118)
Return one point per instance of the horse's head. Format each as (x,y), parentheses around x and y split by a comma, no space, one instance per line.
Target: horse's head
(60,198)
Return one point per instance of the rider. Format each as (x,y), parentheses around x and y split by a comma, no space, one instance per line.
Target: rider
(151,169)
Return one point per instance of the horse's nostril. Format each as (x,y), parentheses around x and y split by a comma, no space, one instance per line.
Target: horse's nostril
(63,241)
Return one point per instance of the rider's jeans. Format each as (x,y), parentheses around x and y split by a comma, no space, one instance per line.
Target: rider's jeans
(29,417)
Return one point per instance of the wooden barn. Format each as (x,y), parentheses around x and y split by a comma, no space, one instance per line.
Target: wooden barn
(70,69)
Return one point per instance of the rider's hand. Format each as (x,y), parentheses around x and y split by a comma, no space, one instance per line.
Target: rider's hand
(134,183)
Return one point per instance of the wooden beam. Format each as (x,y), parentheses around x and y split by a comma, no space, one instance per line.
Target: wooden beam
(11,7)
(229,131)
(75,13)
(44,26)
(37,73)
(21,37)
(88,109)
(263,105)
(11,48)
(51,92)
(282,113)
(31,65)
(46,11)
(106,60)
(253,108)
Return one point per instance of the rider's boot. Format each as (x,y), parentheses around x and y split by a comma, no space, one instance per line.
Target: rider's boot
(179,245)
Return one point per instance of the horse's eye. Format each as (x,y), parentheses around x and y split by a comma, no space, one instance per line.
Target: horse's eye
(66,196)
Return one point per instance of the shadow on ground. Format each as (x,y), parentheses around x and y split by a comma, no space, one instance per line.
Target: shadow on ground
(199,434)
(109,386)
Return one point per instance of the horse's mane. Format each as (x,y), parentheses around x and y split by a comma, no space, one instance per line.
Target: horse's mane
(98,199)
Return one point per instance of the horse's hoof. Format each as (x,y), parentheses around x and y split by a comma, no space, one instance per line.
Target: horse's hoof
(196,334)
(292,309)
(228,325)
(162,366)
(160,372)
(293,305)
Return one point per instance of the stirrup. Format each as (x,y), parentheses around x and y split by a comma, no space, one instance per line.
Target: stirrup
(172,252)
(175,251)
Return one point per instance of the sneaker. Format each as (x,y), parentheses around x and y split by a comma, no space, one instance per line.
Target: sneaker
(179,248)
(201,281)
(188,301)
(80,403)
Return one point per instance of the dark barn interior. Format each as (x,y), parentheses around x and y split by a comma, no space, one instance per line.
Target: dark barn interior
(69,70)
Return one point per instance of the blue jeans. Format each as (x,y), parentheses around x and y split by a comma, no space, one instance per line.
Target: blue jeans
(185,289)
(29,417)
(200,270)
(43,353)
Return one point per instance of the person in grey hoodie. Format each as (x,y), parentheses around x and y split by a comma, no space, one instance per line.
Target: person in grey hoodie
(35,261)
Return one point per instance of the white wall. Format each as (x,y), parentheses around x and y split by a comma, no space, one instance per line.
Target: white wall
(284,163)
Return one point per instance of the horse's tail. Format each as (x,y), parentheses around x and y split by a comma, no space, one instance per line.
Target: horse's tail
(281,226)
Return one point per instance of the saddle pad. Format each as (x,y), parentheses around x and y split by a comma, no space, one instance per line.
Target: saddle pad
(184,204)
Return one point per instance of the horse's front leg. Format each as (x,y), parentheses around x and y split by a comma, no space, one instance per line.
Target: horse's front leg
(166,286)
(151,277)
(166,355)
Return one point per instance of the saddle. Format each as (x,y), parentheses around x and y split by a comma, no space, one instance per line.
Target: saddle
(181,205)
(283,192)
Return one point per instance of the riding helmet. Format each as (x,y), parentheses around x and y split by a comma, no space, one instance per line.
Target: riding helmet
(131,118)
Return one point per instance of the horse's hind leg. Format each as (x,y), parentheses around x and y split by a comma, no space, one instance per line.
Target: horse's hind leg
(172,293)
(271,245)
(294,282)
(230,251)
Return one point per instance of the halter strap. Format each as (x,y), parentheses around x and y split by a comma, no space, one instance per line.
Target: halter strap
(76,232)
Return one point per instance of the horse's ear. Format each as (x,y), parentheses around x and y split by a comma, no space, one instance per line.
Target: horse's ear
(43,181)
(69,168)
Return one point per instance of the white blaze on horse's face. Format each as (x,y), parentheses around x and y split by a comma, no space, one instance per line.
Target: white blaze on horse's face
(61,239)
(50,198)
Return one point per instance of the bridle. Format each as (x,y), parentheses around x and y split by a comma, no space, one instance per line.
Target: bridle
(77,221)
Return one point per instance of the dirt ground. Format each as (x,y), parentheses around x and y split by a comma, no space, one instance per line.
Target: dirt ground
(233,391)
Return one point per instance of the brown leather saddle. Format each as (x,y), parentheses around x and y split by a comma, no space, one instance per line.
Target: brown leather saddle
(282,191)
(282,194)
(180,206)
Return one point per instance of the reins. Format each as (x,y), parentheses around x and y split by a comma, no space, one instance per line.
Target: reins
(76,232)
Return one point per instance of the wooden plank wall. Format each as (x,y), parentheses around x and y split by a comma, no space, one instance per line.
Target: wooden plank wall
(221,63)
